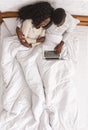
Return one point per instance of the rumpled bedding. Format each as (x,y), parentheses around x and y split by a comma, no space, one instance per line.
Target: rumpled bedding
(38,94)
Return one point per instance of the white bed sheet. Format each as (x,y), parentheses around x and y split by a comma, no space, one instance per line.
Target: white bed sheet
(80,79)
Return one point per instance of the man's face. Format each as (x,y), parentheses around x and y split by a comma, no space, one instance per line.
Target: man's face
(62,22)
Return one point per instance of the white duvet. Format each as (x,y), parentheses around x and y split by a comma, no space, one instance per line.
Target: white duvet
(38,94)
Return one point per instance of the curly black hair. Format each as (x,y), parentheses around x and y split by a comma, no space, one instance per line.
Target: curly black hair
(58,15)
(38,12)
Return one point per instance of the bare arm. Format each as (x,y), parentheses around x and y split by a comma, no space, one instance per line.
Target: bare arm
(58,48)
(40,39)
(22,38)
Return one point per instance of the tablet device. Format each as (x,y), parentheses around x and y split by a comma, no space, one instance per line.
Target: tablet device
(47,54)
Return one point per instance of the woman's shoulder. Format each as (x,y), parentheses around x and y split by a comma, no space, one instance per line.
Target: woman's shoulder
(25,22)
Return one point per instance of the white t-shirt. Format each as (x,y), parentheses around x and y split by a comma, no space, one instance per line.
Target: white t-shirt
(63,31)
(30,32)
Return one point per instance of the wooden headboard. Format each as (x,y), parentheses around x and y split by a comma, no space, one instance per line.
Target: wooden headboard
(83,19)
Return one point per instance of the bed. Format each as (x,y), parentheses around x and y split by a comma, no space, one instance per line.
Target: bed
(18,116)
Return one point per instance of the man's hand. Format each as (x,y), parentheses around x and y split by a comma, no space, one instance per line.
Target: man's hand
(41,39)
(22,38)
(58,48)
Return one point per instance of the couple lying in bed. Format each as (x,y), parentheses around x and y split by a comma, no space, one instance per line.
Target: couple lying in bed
(40,22)
(39,93)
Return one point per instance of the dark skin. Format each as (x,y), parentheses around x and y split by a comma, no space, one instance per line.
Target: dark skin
(22,38)
(58,48)
(40,39)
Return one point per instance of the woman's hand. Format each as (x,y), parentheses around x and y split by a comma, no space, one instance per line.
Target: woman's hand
(22,38)
(58,48)
(41,39)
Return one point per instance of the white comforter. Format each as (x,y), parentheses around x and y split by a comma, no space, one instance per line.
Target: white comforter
(38,94)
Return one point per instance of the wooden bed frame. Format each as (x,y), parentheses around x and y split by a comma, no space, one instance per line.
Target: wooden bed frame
(83,19)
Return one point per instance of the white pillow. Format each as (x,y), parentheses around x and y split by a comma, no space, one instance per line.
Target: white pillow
(10,24)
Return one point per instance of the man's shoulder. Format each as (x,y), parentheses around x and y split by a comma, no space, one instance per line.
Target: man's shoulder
(51,28)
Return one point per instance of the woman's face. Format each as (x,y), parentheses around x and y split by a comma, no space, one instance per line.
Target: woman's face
(45,22)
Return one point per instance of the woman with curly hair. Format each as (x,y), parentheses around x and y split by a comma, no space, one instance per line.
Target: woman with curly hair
(34,20)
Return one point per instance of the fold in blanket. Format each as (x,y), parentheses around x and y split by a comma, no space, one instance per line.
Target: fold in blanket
(39,94)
